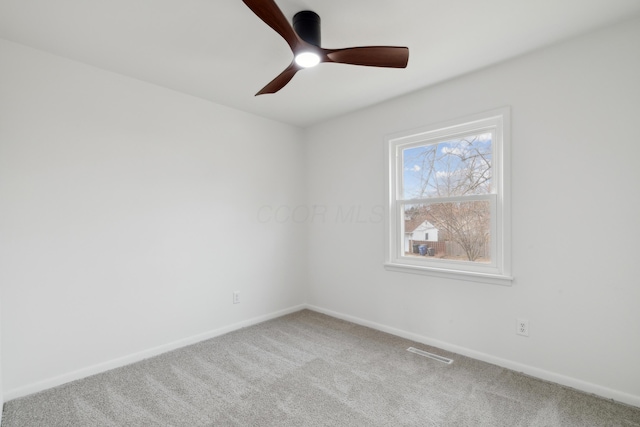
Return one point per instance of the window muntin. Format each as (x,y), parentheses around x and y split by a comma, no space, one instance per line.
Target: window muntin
(449,181)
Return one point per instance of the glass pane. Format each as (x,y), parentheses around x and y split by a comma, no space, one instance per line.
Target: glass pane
(454,167)
(452,231)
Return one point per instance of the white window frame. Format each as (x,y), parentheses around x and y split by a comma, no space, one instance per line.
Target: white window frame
(498,271)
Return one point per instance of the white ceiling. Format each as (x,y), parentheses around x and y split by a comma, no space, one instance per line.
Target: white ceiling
(220,51)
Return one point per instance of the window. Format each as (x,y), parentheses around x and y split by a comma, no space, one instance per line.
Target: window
(451,181)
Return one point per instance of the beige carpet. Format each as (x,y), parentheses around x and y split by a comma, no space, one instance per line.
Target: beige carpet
(308,369)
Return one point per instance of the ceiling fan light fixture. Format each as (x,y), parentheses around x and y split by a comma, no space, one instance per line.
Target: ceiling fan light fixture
(303,37)
(307,59)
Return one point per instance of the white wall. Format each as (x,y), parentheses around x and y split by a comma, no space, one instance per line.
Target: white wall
(124,207)
(1,389)
(575,153)
(425,228)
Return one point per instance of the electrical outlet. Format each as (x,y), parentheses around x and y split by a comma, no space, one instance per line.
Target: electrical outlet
(236,297)
(522,327)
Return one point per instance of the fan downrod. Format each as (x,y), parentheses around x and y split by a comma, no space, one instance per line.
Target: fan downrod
(307,25)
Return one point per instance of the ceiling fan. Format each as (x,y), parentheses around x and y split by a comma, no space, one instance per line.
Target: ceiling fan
(304,40)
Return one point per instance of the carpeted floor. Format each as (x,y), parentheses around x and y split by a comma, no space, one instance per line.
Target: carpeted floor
(308,369)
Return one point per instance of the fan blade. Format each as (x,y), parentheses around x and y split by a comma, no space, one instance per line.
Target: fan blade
(270,13)
(280,81)
(372,56)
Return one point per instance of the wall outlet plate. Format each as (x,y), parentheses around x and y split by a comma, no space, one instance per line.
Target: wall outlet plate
(522,327)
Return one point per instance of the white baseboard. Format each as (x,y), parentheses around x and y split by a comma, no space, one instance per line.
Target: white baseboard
(564,380)
(136,357)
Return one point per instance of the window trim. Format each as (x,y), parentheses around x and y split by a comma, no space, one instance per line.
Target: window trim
(498,121)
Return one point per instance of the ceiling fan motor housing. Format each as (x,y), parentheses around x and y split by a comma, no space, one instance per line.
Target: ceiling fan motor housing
(307,25)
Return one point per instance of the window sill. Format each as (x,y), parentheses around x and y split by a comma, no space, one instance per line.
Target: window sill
(493,279)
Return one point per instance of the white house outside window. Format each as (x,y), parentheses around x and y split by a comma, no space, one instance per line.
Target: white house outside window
(448,195)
